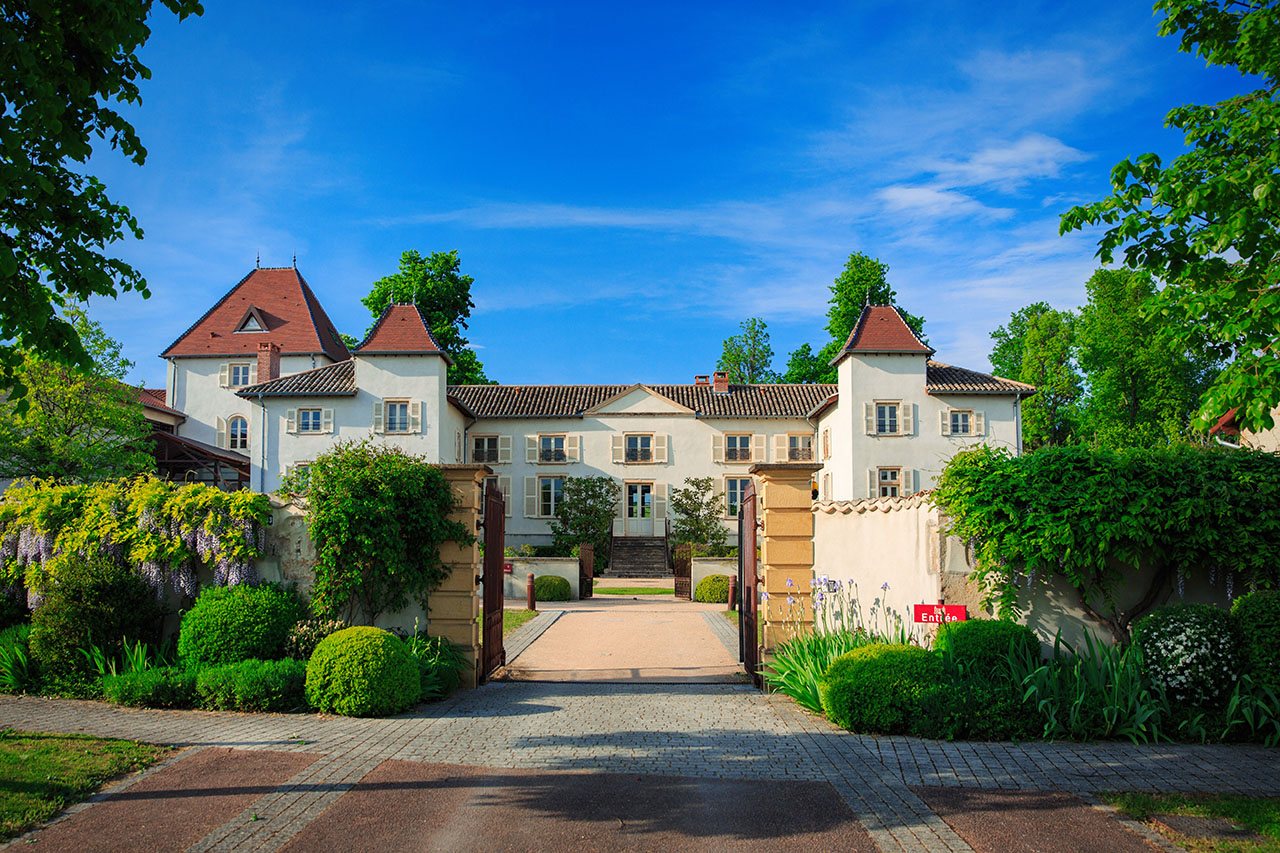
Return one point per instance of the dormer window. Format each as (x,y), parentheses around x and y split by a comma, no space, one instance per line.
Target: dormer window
(252,321)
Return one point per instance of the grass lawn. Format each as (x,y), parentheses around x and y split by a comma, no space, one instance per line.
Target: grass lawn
(633,590)
(513,619)
(1260,814)
(45,773)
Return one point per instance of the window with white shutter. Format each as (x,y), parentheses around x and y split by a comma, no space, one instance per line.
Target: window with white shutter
(659,501)
(660,449)
(618,444)
(530,448)
(717,447)
(378,417)
(979,423)
(530,497)
(504,449)
(780,448)
(573,447)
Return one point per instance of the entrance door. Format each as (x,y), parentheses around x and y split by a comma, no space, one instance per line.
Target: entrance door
(639,509)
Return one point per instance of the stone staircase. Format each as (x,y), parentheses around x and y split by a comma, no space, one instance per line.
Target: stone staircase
(639,557)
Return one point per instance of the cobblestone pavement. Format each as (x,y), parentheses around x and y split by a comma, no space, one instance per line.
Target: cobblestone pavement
(696,730)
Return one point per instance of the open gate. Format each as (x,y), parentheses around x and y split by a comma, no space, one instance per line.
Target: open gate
(492,654)
(586,570)
(682,570)
(749,587)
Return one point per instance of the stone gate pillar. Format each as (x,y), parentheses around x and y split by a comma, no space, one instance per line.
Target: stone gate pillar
(785,491)
(454,606)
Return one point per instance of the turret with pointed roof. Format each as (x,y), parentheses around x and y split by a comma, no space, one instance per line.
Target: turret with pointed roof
(401,330)
(881,329)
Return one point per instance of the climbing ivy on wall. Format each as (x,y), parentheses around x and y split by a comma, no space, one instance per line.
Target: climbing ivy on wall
(377,517)
(1095,516)
(165,531)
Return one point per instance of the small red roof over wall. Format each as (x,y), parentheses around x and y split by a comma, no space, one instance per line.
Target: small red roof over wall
(294,319)
(881,328)
(400,330)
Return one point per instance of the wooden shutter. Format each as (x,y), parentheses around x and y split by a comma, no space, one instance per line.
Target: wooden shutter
(979,421)
(869,412)
(908,481)
(326,420)
(717,447)
(530,448)
(291,420)
(872,485)
(617,442)
(826,487)
(907,418)
(220,425)
(457,445)
(377,416)
(945,424)
(757,447)
(780,445)
(504,448)
(224,375)
(253,373)
(415,416)
(572,447)
(659,502)
(826,444)
(660,450)
(530,497)
(504,486)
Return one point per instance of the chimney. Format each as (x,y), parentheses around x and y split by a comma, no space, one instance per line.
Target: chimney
(721,382)
(268,362)
(702,380)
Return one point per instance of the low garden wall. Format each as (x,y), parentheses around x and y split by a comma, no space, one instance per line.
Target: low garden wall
(704,566)
(514,585)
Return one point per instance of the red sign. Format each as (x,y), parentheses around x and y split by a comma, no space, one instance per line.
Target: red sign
(508,568)
(936,614)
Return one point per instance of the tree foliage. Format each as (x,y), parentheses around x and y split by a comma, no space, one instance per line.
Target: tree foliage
(1096,517)
(585,514)
(862,282)
(1207,224)
(748,357)
(66,64)
(697,508)
(1050,415)
(74,425)
(1011,338)
(436,285)
(378,517)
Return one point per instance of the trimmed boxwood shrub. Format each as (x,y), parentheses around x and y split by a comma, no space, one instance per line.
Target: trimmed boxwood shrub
(253,685)
(1190,650)
(96,601)
(878,688)
(551,588)
(982,645)
(362,672)
(713,589)
(235,623)
(1257,625)
(169,687)
(975,707)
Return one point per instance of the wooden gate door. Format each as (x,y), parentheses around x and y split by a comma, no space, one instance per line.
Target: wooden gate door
(586,570)
(749,584)
(493,655)
(682,569)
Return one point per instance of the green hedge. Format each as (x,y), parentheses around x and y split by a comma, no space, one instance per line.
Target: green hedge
(253,685)
(551,588)
(878,688)
(984,644)
(92,601)
(242,622)
(362,672)
(713,589)
(170,687)
(1257,623)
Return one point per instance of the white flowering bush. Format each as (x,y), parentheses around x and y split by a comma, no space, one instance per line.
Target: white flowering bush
(1189,650)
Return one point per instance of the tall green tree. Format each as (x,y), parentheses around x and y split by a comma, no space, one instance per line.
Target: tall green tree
(748,357)
(698,509)
(441,291)
(1011,338)
(66,64)
(585,513)
(1140,388)
(1049,416)
(1207,224)
(79,426)
(862,282)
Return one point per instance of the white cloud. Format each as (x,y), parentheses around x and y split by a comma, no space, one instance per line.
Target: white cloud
(932,203)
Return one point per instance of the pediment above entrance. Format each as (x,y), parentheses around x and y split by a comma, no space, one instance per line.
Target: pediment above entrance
(638,400)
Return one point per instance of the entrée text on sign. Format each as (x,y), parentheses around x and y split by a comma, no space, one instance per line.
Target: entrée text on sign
(936,614)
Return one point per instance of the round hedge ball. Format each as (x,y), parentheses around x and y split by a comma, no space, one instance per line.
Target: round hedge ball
(713,589)
(983,645)
(878,688)
(551,588)
(229,624)
(362,672)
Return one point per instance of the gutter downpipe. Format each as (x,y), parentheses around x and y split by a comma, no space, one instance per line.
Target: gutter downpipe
(262,453)
(1017,421)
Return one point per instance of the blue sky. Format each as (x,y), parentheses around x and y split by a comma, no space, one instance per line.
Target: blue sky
(628,183)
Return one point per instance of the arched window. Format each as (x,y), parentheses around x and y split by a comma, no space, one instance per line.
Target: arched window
(238,433)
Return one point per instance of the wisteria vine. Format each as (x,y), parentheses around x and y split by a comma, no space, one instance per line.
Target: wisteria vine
(165,531)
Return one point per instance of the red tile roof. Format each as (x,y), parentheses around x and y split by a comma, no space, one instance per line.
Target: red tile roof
(881,328)
(295,320)
(946,379)
(154,398)
(338,379)
(570,401)
(1226,424)
(400,330)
